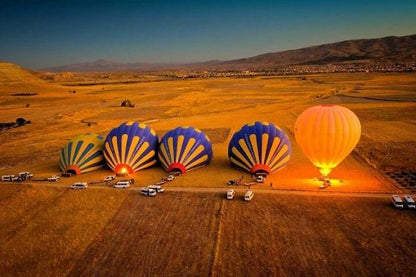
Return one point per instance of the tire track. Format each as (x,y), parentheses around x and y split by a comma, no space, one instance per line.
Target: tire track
(216,248)
(152,249)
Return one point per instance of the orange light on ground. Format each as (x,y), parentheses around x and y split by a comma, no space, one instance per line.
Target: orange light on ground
(123,170)
(320,182)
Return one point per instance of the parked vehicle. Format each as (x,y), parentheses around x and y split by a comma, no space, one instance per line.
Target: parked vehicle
(249,195)
(259,179)
(122,184)
(79,185)
(25,175)
(9,178)
(66,174)
(109,178)
(410,203)
(148,192)
(158,189)
(53,178)
(230,194)
(397,202)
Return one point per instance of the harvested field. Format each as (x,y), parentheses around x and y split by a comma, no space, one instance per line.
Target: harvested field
(314,235)
(173,234)
(44,230)
(201,233)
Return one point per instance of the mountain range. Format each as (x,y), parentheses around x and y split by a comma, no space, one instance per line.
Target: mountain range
(390,49)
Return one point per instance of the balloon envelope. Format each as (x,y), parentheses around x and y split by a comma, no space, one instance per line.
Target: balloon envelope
(260,146)
(184,149)
(130,147)
(327,134)
(82,154)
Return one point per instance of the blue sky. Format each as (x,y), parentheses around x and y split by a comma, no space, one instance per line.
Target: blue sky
(38,34)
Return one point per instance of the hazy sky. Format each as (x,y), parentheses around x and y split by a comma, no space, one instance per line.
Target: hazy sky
(37,34)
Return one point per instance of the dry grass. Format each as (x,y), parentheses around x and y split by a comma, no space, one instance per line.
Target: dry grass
(45,230)
(48,230)
(113,233)
(173,234)
(220,107)
(314,235)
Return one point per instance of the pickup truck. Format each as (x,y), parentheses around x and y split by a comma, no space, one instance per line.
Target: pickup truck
(53,178)
(109,178)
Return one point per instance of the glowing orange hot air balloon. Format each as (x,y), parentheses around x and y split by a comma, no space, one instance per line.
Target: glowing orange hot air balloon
(327,134)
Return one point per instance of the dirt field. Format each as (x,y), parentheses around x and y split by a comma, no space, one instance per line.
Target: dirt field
(292,228)
(113,233)
(385,104)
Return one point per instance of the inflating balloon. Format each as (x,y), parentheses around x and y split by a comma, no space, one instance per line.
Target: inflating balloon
(82,154)
(130,147)
(327,134)
(184,149)
(260,147)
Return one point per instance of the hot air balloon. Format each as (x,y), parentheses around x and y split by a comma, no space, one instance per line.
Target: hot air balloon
(327,134)
(260,147)
(82,154)
(130,147)
(184,149)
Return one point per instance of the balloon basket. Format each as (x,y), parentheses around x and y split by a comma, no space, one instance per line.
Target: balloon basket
(326,182)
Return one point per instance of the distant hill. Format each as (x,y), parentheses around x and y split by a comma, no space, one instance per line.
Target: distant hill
(13,78)
(382,50)
(11,74)
(367,51)
(105,65)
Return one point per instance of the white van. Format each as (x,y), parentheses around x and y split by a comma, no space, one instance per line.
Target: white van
(158,189)
(249,195)
(397,202)
(79,185)
(410,203)
(230,194)
(122,185)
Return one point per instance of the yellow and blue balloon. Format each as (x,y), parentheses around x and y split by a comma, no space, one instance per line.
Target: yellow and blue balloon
(259,147)
(130,147)
(184,149)
(82,154)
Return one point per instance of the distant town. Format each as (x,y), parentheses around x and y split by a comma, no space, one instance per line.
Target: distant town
(301,69)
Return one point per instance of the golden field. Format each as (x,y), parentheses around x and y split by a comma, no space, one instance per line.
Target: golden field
(58,231)
(49,229)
